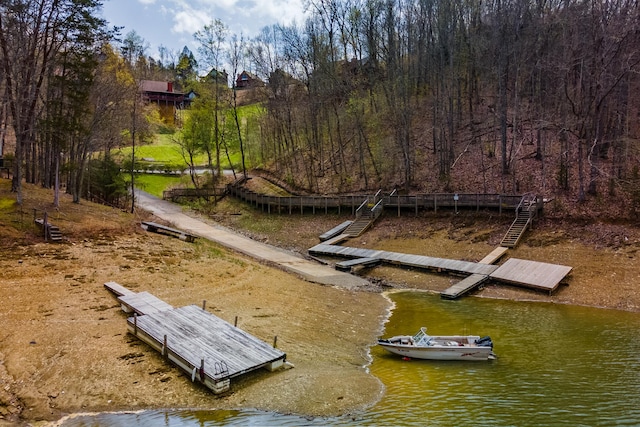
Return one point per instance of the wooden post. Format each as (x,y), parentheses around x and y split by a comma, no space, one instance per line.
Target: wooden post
(164,347)
(135,323)
(275,342)
(204,304)
(235,323)
(202,370)
(44,225)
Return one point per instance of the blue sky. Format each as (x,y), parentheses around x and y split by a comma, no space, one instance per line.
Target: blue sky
(171,23)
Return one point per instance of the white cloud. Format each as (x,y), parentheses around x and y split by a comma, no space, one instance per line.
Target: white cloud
(172,23)
(189,21)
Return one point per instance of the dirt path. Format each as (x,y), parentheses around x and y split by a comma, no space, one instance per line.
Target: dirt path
(309,270)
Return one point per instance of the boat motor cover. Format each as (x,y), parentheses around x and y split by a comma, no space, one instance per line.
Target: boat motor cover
(484,342)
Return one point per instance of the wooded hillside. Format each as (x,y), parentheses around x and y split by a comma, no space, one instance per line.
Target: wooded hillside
(496,96)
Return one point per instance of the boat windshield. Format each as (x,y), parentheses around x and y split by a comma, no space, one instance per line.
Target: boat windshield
(421,338)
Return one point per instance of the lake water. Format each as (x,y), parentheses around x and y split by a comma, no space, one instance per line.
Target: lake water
(557,365)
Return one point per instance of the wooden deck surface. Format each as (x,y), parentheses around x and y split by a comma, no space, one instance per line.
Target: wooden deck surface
(194,335)
(465,285)
(531,274)
(163,229)
(204,346)
(118,289)
(494,256)
(418,261)
(144,303)
(335,231)
(349,264)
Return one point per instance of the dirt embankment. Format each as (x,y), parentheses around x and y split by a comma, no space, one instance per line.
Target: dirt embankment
(64,346)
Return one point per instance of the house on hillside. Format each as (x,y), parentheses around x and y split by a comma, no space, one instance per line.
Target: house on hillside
(216,76)
(164,95)
(246,80)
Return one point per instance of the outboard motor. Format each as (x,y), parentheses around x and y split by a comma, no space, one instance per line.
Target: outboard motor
(484,342)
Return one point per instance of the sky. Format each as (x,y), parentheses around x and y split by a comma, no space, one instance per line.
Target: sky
(172,23)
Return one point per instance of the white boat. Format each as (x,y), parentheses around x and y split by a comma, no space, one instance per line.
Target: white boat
(433,347)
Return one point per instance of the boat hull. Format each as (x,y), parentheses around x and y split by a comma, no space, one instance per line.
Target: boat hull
(475,353)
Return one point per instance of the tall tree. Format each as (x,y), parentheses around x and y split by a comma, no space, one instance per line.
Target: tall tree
(211,49)
(32,33)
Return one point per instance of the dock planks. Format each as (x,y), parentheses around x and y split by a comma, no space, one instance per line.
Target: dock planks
(418,261)
(531,274)
(465,285)
(207,348)
(143,303)
(362,262)
(494,256)
(335,231)
(210,349)
(163,229)
(523,273)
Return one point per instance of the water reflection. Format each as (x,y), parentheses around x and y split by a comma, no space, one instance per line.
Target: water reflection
(557,365)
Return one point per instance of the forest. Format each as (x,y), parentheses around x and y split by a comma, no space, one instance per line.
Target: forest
(492,96)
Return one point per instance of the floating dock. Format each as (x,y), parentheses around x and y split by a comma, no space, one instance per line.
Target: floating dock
(518,272)
(208,349)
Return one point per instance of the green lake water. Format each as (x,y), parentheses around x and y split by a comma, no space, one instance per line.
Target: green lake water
(557,365)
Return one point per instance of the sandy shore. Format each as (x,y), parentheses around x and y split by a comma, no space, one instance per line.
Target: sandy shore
(64,346)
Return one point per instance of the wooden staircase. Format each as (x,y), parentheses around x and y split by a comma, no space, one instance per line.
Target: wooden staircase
(366,215)
(357,227)
(51,232)
(525,212)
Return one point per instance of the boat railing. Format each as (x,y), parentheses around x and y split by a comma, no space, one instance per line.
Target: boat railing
(421,338)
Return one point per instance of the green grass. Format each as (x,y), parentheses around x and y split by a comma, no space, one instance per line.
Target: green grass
(155,184)
(163,151)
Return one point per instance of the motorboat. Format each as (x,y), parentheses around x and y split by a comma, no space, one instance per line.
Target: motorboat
(440,347)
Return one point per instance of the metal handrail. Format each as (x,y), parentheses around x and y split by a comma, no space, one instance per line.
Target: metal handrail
(361,207)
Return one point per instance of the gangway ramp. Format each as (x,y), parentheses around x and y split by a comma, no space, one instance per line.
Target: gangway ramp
(464,286)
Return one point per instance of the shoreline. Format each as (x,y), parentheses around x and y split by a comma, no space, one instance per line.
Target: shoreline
(66,350)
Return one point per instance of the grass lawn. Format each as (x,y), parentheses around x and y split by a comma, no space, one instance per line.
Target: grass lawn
(155,184)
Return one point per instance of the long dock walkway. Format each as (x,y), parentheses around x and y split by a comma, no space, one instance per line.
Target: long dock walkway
(518,272)
(207,348)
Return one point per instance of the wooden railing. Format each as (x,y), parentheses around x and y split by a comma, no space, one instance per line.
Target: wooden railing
(191,193)
(433,201)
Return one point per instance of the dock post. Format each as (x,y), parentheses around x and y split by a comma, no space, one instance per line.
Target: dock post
(204,304)
(235,323)
(275,342)
(164,347)
(202,370)
(135,323)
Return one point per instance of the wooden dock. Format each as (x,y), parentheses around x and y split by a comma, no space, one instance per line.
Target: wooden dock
(494,256)
(159,228)
(143,303)
(518,272)
(357,262)
(464,286)
(408,260)
(335,231)
(531,274)
(208,349)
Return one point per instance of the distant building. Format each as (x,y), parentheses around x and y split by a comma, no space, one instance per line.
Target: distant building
(167,99)
(247,80)
(215,76)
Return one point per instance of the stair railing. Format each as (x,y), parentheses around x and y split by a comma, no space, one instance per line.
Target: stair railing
(377,210)
(362,208)
(377,196)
